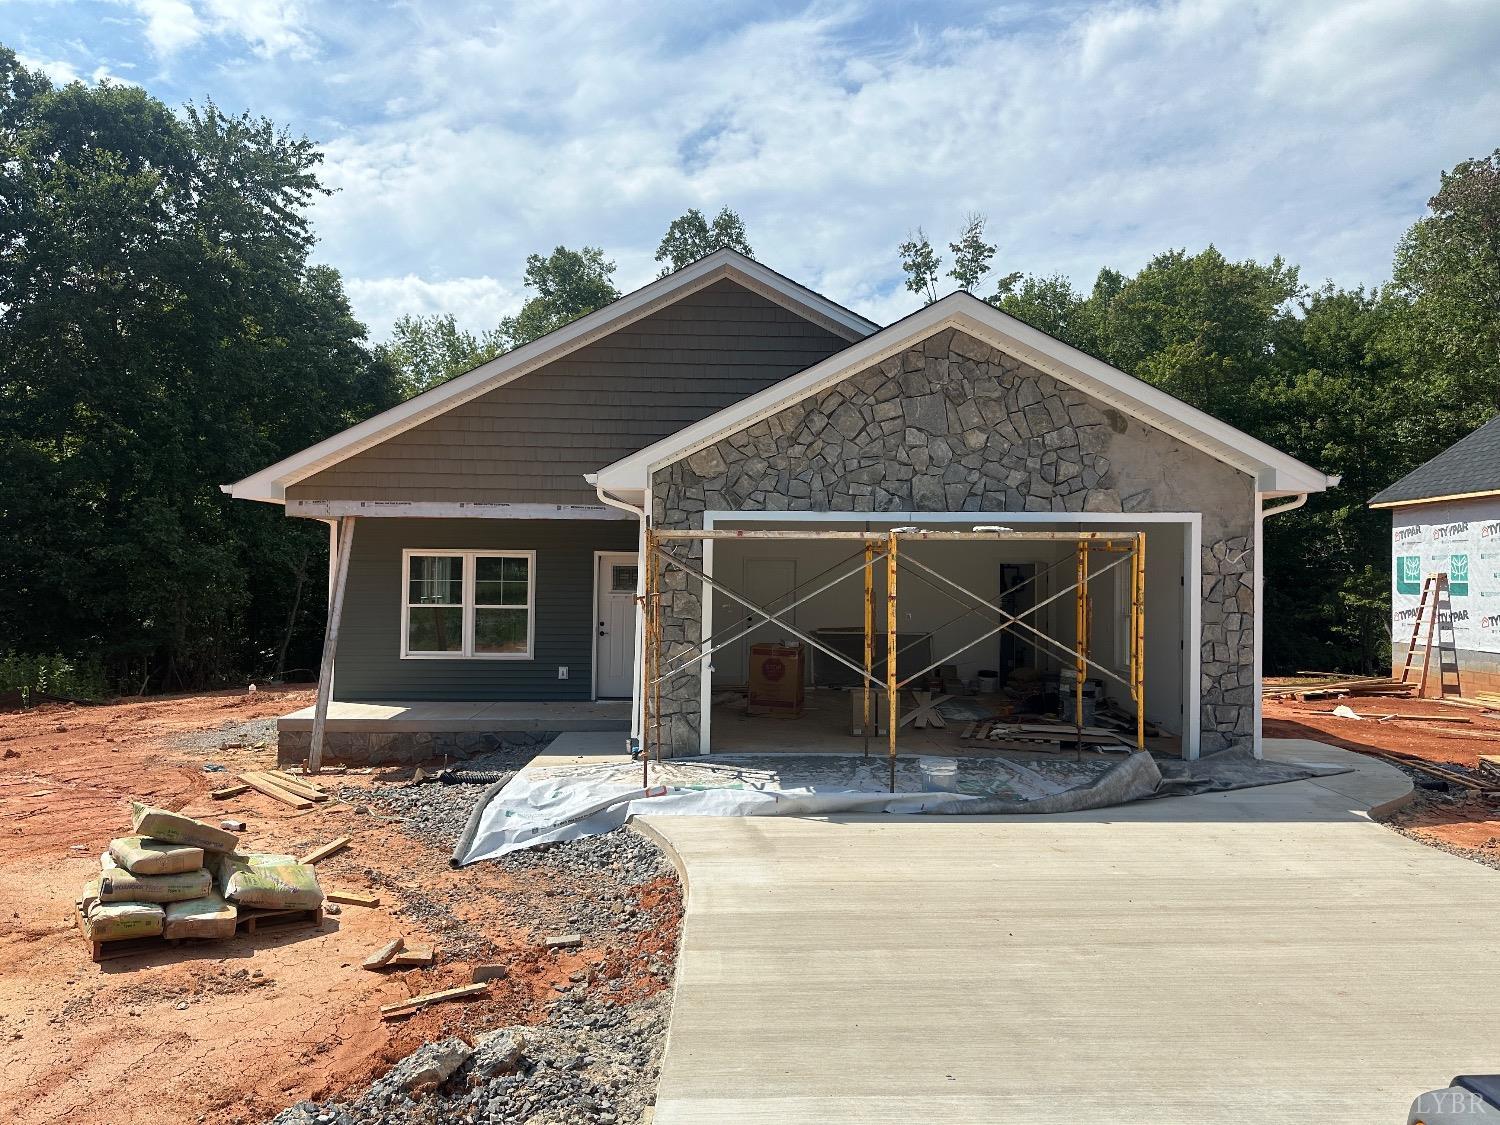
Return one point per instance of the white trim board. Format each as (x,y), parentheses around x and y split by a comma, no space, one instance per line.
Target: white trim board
(270,484)
(1274,472)
(458,509)
(1192,542)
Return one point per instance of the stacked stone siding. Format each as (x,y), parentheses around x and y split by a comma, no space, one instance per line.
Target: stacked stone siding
(954,425)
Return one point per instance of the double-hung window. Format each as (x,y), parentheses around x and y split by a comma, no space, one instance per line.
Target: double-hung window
(467,604)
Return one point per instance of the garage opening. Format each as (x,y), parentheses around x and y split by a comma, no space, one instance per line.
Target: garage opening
(986,629)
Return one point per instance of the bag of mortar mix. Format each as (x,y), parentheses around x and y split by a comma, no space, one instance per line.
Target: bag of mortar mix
(225,864)
(89,897)
(206,917)
(286,886)
(178,829)
(119,885)
(116,921)
(141,855)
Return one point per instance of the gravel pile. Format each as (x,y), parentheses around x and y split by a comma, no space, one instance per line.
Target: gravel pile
(255,734)
(589,1064)
(632,858)
(433,812)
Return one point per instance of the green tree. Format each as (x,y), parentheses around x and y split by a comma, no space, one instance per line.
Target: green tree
(161,332)
(971,253)
(920,263)
(1053,305)
(690,236)
(428,350)
(1448,270)
(1198,326)
(568,284)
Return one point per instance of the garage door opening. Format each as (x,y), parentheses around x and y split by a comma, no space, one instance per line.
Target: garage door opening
(989,620)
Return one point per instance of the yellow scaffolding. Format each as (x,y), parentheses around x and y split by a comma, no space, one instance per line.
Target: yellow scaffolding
(886,545)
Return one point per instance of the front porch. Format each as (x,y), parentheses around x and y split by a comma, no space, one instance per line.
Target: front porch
(395,732)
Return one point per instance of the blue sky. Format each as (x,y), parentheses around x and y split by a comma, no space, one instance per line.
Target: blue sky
(461,136)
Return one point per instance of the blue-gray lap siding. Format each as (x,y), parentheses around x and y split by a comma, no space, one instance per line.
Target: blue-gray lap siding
(369,665)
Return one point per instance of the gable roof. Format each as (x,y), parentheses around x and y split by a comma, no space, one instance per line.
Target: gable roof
(1468,467)
(270,484)
(1275,473)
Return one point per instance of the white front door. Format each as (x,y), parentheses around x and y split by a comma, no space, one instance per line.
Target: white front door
(614,625)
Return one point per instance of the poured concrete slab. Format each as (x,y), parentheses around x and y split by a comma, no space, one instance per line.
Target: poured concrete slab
(1266,954)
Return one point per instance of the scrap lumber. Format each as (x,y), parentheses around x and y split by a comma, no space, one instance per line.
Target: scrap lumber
(352,898)
(1477,785)
(293,782)
(333,847)
(417,1003)
(382,956)
(564,941)
(925,713)
(414,958)
(261,785)
(1490,763)
(292,785)
(226,792)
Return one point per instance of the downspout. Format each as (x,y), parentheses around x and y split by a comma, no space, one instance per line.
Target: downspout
(1261,515)
(635,679)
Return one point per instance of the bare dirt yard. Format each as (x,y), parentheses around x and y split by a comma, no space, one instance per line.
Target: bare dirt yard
(1446,734)
(238,1031)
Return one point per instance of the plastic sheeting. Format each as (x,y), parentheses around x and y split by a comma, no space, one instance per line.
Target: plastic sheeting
(548,805)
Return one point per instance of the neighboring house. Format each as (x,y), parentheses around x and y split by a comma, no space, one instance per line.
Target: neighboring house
(1445,518)
(498,529)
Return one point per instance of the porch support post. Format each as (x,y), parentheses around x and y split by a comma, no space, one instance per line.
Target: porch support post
(344,545)
(1138,638)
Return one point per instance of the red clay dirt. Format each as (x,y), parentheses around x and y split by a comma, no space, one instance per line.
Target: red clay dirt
(235,1031)
(1456,821)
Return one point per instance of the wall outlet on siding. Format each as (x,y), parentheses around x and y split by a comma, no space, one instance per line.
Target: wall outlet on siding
(562,671)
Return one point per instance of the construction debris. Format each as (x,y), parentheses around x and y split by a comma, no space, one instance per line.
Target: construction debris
(564,941)
(415,958)
(1336,689)
(229,791)
(261,784)
(353,898)
(382,956)
(417,1003)
(482,973)
(331,848)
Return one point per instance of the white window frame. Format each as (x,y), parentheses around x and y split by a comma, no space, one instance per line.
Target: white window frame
(467,603)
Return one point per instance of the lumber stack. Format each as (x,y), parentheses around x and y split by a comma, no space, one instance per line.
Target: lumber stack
(296,792)
(1337,689)
(178,878)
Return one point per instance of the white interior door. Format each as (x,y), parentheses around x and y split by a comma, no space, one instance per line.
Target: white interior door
(614,640)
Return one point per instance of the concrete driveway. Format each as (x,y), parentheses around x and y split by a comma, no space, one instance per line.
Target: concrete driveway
(1267,955)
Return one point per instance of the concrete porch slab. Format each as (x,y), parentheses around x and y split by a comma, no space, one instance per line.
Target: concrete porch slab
(463,717)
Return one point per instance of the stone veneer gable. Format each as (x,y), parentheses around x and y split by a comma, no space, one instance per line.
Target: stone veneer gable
(953,425)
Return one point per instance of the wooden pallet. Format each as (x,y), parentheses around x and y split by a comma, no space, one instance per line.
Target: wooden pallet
(249,921)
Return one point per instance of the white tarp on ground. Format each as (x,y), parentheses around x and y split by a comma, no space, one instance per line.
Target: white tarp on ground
(551,804)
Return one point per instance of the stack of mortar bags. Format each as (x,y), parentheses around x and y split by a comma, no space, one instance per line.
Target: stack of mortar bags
(161,882)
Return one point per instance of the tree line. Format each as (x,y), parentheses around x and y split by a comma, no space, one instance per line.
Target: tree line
(1365,383)
(163,330)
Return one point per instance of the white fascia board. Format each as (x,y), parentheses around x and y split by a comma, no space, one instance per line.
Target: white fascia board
(270,484)
(1272,469)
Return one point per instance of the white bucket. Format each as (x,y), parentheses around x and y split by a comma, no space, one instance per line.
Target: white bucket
(939,775)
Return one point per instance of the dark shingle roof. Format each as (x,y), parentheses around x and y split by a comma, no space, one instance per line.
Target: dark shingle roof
(1469,465)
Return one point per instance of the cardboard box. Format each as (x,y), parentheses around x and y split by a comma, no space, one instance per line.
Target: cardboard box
(776,680)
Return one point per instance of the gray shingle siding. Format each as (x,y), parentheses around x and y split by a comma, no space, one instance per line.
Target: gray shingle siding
(1471,464)
(532,441)
(369,666)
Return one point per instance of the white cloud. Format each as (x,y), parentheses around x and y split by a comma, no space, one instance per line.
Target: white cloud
(462,136)
(171,25)
(269,27)
(62,72)
(477,302)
